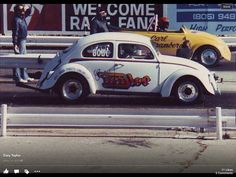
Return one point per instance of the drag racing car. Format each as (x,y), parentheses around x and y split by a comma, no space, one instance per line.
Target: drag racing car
(207,49)
(124,63)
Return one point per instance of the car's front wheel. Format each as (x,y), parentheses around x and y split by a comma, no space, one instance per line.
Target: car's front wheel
(73,89)
(188,91)
(208,56)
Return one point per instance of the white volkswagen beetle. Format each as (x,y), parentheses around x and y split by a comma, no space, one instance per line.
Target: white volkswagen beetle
(124,63)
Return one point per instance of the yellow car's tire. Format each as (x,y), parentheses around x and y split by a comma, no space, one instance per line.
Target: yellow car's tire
(208,56)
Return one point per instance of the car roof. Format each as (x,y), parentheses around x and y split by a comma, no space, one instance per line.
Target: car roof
(114,36)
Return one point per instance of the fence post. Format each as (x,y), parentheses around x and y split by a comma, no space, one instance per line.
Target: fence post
(218,123)
(4,120)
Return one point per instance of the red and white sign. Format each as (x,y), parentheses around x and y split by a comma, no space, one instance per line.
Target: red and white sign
(1,18)
(44,18)
(64,19)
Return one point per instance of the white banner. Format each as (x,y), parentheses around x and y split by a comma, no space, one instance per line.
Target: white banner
(217,19)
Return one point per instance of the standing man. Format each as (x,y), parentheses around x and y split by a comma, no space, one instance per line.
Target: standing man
(19,35)
(99,23)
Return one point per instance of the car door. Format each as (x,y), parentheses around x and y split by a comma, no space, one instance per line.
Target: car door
(137,71)
(99,60)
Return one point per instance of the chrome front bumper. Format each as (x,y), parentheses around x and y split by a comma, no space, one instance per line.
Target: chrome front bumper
(214,79)
(217,78)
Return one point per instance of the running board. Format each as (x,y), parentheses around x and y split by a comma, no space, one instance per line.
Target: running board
(19,84)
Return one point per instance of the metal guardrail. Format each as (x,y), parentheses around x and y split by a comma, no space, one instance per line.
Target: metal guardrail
(66,120)
(230,41)
(65,41)
(32,61)
(42,41)
(38,44)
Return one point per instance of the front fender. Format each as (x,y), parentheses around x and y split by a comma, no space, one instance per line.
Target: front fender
(170,81)
(201,39)
(69,68)
(223,50)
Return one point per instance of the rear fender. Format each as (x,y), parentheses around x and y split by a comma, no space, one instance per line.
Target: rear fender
(51,80)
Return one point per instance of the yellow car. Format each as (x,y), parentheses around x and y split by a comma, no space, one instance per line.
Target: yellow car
(207,49)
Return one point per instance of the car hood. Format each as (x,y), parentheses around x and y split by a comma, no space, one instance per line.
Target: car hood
(182,61)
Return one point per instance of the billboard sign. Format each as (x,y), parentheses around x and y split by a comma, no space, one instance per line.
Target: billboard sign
(133,16)
(217,19)
(64,19)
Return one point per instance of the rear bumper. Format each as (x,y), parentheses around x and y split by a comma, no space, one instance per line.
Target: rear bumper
(18,84)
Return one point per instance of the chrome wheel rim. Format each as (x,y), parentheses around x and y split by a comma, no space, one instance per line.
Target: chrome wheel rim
(188,92)
(209,57)
(72,89)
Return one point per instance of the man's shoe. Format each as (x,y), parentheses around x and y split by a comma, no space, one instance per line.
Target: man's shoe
(23,81)
(30,79)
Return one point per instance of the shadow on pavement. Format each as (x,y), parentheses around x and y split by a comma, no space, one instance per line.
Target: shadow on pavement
(37,99)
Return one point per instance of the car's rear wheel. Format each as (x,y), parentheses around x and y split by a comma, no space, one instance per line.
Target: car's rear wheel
(188,91)
(73,89)
(208,56)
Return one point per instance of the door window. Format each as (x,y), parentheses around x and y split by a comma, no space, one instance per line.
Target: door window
(135,51)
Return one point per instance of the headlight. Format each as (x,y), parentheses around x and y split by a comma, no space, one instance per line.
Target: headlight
(214,76)
(212,79)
